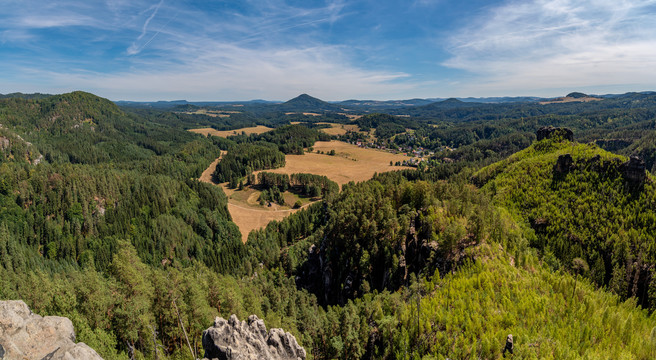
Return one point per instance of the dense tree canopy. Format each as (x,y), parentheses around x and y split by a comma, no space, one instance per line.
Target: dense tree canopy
(103,220)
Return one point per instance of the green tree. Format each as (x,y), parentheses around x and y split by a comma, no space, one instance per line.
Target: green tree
(133,312)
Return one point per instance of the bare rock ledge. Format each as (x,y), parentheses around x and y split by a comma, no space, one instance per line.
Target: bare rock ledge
(25,335)
(249,340)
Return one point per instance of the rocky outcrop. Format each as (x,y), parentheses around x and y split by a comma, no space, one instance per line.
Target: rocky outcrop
(245,340)
(4,143)
(634,171)
(25,335)
(563,164)
(548,132)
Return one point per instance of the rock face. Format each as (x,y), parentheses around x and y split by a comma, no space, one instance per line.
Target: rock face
(563,164)
(634,171)
(24,335)
(548,132)
(249,340)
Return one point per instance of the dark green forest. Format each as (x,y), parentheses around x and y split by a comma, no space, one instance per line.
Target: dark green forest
(103,220)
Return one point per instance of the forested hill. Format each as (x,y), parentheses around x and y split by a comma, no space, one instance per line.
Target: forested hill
(590,211)
(305,102)
(111,229)
(82,128)
(108,182)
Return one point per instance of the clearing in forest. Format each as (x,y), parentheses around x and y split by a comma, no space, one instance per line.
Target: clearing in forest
(225,133)
(339,129)
(244,207)
(335,128)
(350,163)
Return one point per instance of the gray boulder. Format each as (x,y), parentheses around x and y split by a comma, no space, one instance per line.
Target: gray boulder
(249,340)
(25,335)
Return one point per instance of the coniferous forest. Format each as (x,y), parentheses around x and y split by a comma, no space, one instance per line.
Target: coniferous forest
(550,238)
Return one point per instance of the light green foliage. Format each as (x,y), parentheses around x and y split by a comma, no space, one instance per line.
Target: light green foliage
(469,314)
(112,231)
(589,212)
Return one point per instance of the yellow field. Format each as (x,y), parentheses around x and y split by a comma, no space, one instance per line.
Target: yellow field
(350,162)
(213,113)
(243,206)
(249,130)
(305,113)
(334,129)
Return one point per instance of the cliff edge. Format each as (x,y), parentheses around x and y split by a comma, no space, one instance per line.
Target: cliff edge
(25,335)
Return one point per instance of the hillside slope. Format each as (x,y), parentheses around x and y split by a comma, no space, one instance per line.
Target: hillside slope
(582,202)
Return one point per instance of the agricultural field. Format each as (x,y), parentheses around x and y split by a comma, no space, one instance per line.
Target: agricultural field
(244,207)
(249,215)
(213,113)
(339,129)
(225,133)
(350,162)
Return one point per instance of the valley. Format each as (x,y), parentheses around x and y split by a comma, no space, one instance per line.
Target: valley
(349,163)
(225,133)
(323,180)
(133,218)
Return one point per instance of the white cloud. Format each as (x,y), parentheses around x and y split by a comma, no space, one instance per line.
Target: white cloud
(135,48)
(234,57)
(234,73)
(541,45)
(42,22)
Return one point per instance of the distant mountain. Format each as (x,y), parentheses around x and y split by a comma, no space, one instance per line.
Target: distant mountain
(499,100)
(305,102)
(451,103)
(390,104)
(168,105)
(380,104)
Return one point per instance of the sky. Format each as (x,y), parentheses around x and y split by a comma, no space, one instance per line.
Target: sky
(145,50)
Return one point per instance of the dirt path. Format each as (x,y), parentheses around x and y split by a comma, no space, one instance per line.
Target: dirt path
(246,218)
(206,176)
(351,163)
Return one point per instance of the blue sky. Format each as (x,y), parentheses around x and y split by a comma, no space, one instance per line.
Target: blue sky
(334,50)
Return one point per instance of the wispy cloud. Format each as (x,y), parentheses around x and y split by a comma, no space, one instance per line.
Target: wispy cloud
(270,50)
(542,45)
(135,48)
(42,22)
(229,72)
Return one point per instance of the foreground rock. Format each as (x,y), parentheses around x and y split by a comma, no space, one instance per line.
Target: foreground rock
(246,340)
(24,335)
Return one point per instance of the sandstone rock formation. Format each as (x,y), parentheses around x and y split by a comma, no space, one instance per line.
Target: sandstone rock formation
(563,164)
(548,132)
(249,340)
(634,171)
(24,335)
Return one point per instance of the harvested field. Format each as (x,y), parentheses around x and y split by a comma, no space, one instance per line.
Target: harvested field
(351,117)
(305,113)
(248,218)
(213,113)
(336,129)
(350,162)
(225,133)
(566,99)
